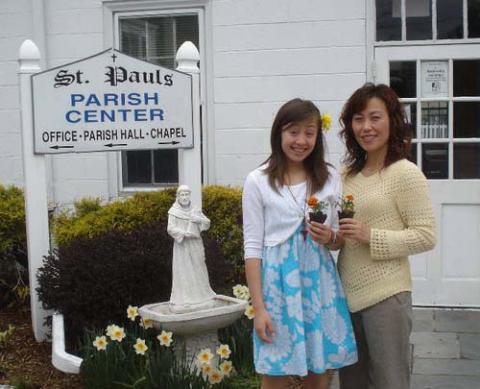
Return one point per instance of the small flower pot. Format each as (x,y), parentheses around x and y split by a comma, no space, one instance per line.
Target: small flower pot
(345,215)
(318,217)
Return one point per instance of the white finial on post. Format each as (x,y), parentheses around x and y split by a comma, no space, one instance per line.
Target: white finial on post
(35,188)
(190,160)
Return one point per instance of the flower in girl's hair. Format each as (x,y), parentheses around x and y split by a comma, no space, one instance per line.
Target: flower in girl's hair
(326,122)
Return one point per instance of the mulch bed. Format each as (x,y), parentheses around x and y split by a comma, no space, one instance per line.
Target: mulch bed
(23,359)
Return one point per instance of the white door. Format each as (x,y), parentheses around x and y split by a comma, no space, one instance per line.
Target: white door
(440,88)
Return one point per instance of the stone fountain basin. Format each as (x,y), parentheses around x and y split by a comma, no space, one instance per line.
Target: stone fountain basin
(225,311)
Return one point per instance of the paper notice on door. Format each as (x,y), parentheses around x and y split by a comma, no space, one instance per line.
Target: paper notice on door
(435,79)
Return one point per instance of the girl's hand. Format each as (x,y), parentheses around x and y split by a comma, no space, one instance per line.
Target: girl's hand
(355,230)
(320,233)
(263,325)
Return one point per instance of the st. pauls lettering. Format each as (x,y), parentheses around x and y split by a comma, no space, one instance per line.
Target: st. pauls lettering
(118,74)
(64,78)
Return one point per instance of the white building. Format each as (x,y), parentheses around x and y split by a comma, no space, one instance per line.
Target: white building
(255,55)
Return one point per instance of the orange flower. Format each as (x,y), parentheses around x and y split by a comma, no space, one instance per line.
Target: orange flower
(349,197)
(312,201)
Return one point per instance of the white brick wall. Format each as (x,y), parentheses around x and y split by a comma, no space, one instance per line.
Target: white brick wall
(269,51)
(265,52)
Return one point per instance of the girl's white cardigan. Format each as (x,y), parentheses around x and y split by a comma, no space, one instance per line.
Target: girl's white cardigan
(270,218)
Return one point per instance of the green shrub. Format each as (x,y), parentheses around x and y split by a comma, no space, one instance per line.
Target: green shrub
(13,248)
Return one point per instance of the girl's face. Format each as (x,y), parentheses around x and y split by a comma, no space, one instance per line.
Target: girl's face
(371,127)
(299,139)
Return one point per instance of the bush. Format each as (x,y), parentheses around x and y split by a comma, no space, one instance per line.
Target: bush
(13,248)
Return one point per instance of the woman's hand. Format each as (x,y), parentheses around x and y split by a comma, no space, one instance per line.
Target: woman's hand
(320,233)
(263,325)
(355,230)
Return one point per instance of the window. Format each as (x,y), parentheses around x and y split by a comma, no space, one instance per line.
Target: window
(411,20)
(446,120)
(154,39)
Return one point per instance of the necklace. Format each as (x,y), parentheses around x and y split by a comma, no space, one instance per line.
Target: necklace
(301,210)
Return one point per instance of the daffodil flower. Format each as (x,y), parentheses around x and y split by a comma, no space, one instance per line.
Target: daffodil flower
(165,338)
(204,356)
(100,343)
(146,323)
(326,121)
(132,312)
(117,334)
(140,346)
(226,368)
(250,312)
(224,351)
(215,377)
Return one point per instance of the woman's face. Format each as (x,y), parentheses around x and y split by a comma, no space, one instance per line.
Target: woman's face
(184,198)
(371,127)
(298,139)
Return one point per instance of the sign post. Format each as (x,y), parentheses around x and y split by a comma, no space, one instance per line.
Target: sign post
(107,102)
(36,208)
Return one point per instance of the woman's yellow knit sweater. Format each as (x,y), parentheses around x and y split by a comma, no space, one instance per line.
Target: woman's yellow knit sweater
(395,204)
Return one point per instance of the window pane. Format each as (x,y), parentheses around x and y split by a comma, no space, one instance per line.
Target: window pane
(138,169)
(133,37)
(435,119)
(466,78)
(473,18)
(160,37)
(435,160)
(413,153)
(466,160)
(166,166)
(187,30)
(403,78)
(411,112)
(466,120)
(389,26)
(449,19)
(419,19)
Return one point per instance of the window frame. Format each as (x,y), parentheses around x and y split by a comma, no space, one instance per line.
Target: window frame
(113,11)
(434,40)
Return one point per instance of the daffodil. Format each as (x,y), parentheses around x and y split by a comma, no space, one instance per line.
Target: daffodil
(146,323)
(204,356)
(224,351)
(117,334)
(241,292)
(165,338)
(326,122)
(226,368)
(132,312)
(215,377)
(110,329)
(206,370)
(140,346)
(100,343)
(250,312)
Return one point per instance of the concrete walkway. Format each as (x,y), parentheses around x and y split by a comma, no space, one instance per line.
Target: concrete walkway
(445,349)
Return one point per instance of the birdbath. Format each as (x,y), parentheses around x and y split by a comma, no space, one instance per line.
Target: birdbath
(194,312)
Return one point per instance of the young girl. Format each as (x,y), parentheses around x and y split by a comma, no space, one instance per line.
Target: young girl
(302,325)
(393,219)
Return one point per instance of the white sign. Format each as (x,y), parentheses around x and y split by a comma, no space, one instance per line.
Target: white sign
(111,101)
(434,79)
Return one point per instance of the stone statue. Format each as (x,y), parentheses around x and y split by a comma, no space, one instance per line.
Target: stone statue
(190,285)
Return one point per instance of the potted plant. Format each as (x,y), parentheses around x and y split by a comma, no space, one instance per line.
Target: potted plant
(347,208)
(315,209)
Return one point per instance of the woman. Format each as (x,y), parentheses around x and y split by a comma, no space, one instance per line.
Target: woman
(393,219)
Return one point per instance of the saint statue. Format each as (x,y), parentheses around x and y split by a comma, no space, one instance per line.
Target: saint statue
(190,285)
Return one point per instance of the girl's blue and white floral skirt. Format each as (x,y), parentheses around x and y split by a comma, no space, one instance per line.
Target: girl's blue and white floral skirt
(304,297)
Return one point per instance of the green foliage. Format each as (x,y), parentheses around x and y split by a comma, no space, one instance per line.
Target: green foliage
(86,205)
(6,335)
(239,337)
(13,248)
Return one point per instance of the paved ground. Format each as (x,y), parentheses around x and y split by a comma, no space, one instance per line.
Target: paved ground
(445,349)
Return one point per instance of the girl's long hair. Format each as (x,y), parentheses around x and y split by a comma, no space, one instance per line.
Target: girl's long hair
(291,112)
(399,141)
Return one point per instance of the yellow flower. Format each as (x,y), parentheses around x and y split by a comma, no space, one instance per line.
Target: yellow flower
(215,377)
(117,334)
(204,356)
(250,312)
(146,323)
(132,312)
(140,347)
(241,292)
(206,370)
(326,122)
(110,329)
(100,343)
(165,338)
(226,368)
(224,351)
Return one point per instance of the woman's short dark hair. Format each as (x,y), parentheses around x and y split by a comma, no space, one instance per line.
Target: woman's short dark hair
(295,111)
(399,141)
